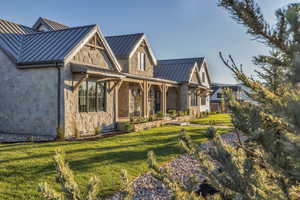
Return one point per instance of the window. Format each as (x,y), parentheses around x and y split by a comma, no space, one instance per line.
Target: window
(203,101)
(101,96)
(203,77)
(194,99)
(92,96)
(219,95)
(141,61)
(82,97)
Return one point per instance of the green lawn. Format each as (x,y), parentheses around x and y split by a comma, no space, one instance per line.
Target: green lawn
(217,119)
(24,165)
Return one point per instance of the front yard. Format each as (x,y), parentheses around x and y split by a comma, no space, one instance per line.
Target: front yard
(24,165)
(217,119)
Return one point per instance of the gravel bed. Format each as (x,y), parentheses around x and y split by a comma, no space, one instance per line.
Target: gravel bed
(148,188)
(11,138)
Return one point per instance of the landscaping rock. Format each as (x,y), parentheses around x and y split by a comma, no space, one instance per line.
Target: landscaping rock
(182,168)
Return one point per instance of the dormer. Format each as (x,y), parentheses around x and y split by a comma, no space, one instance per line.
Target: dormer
(133,53)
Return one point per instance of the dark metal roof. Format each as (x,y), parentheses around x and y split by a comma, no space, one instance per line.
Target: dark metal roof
(122,45)
(11,35)
(52,25)
(216,86)
(51,46)
(176,69)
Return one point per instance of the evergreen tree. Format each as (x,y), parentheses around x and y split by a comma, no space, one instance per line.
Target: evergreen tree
(267,165)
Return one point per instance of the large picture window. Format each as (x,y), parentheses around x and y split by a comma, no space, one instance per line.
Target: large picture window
(194,99)
(92,96)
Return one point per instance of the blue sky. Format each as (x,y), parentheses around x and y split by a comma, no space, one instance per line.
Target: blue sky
(175,28)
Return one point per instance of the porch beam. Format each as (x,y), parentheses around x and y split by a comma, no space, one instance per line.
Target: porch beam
(108,79)
(83,78)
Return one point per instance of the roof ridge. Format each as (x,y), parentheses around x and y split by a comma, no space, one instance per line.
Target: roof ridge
(123,35)
(50,20)
(173,59)
(76,27)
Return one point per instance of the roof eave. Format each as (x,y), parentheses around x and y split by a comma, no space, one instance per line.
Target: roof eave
(43,64)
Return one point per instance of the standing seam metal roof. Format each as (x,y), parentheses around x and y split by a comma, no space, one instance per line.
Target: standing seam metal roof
(176,69)
(122,45)
(51,45)
(54,25)
(11,36)
(27,46)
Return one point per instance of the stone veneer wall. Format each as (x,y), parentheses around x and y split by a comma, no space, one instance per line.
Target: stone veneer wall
(133,63)
(85,123)
(184,97)
(28,99)
(172,99)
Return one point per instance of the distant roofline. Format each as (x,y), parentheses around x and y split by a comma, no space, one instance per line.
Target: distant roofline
(183,59)
(129,34)
(17,24)
(75,27)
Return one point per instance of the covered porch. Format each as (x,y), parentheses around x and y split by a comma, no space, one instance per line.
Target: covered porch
(146,97)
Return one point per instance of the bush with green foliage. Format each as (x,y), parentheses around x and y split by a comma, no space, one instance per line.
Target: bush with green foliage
(160,115)
(70,189)
(172,113)
(60,134)
(128,127)
(211,132)
(267,165)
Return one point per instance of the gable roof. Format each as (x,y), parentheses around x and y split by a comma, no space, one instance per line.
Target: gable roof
(51,46)
(216,86)
(11,35)
(25,46)
(51,25)
(179,70)
(124,46)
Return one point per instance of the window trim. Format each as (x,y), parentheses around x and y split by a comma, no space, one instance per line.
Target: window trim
(141,61)
(86,98)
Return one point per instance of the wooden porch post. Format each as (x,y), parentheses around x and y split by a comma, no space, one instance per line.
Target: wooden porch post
(145,98)
(164,94)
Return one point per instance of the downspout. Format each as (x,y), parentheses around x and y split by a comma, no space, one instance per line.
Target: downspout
(58,94)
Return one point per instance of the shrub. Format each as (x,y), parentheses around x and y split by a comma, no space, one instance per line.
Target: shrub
(70,188)
(98,130)
(173,113)
(211,133)
(160,115)
(128,127)
(60,134)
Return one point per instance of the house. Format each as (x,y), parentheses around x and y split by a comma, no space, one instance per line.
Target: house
(73,78)
(217,95)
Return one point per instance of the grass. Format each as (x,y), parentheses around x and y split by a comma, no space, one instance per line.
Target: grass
(217,119)
(24,165)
